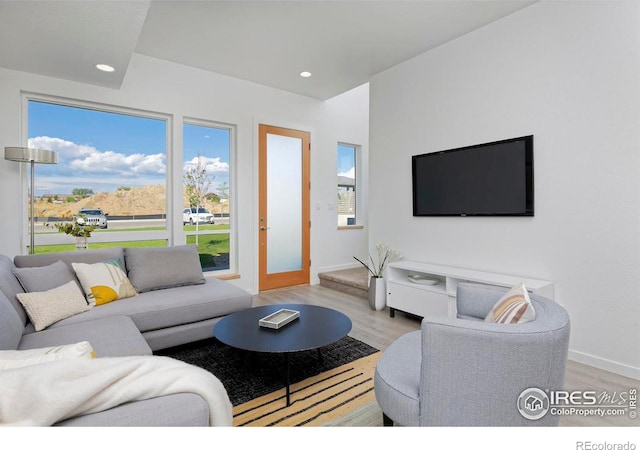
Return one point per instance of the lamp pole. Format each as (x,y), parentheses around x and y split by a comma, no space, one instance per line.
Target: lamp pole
(32,156)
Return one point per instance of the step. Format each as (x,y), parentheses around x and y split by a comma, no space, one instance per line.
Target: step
(352,281)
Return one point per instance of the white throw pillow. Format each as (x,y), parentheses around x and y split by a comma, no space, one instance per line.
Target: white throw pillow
(104,282)
(513,307)
(45,308)
(15,359)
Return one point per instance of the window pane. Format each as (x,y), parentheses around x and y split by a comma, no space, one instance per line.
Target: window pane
(346,185)
(206,193)
(111,168)
(284,203)
(213,250)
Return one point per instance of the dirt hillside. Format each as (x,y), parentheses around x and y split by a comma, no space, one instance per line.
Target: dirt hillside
(134,201)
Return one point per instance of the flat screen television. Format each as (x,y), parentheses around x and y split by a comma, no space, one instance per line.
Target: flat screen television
(492,179)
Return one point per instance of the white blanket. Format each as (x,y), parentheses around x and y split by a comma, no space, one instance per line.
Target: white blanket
(43,394)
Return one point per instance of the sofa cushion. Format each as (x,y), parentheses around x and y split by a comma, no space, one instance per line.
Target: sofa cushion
(45,308)
(14,359)
(11,325)
(111,336)
(104,282)
(85,256)
(176,410)
(160,268)
(174,306)
(40,279)
(10,286)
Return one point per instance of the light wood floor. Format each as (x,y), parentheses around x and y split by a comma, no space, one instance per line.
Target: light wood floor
(377,329)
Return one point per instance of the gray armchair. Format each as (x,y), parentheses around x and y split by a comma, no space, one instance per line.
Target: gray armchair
(466,372)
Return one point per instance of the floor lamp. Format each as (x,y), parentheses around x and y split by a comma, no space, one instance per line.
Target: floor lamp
(32,156)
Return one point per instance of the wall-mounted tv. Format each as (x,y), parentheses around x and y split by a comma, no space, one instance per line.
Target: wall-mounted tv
(492,179)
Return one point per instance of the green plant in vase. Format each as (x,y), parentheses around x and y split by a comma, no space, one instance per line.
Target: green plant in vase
(75,226)
(377,288)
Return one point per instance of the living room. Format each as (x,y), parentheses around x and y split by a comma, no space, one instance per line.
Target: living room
(565,72)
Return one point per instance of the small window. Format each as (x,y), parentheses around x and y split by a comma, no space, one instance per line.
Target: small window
(347,184)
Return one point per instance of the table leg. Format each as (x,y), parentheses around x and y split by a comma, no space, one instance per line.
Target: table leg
(286,362)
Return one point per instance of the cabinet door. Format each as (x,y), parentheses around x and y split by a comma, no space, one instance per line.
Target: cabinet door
(417,301)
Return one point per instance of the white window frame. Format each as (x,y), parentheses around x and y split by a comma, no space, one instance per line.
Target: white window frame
(233,225)
(358,186)
(115,236)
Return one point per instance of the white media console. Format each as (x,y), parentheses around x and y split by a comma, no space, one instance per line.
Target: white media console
(426,289)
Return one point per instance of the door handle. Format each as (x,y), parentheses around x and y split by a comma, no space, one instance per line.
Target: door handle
(263,228)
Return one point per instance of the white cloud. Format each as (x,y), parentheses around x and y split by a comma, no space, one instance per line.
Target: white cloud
(84,159)
(66,149)
(213,165)
(351,173)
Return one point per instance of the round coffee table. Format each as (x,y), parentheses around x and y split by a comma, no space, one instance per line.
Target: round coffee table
(316,327)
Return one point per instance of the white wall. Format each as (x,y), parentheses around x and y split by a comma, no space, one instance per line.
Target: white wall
(344,115)
(568,73)
(155,85)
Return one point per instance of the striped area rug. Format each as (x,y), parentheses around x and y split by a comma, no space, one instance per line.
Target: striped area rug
(315,401)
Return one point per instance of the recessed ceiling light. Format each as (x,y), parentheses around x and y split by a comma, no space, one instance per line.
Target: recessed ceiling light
(105,68)
(305,74)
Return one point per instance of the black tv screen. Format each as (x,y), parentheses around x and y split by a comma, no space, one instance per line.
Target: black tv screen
(492,179)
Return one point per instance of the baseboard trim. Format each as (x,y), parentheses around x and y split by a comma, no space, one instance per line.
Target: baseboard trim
(605,364)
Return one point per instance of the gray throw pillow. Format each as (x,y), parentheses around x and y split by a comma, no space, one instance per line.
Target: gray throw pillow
(40,279)
(150,269)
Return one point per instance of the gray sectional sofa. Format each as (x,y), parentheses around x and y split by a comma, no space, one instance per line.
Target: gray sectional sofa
(175,305)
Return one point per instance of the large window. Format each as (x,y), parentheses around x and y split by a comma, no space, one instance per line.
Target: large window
(112,169)
(207,192)
(347,182)
(111,166)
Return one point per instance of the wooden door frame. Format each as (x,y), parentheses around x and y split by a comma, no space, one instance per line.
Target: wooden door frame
(272,281)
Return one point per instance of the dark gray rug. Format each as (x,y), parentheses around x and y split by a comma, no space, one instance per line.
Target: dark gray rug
(248,375)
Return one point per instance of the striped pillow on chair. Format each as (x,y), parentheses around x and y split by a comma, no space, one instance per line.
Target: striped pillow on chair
(513,307)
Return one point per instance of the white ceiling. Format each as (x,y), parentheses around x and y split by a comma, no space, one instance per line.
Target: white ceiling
(343,43)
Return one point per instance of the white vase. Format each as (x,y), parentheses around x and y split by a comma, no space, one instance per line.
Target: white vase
(377,293)
(81,243)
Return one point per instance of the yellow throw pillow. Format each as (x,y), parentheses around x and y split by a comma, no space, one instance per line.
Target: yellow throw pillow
(15,359)
(45,308)
(513,307)
(104,282)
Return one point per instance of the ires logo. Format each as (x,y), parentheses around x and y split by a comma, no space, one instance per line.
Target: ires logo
(534,403)
(574,398)
(590,398)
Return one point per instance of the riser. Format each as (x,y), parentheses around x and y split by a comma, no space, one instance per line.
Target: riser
(344,288)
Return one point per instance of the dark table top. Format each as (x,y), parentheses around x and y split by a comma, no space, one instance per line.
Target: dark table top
(316,327)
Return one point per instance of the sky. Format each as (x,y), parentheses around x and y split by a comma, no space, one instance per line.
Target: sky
(346,161)
(104,151)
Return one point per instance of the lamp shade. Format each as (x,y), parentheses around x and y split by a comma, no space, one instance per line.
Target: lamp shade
(24,154)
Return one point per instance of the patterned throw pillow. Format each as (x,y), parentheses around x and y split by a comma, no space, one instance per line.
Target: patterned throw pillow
(513,307)
(45,308)
(104,282)
(14,359)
